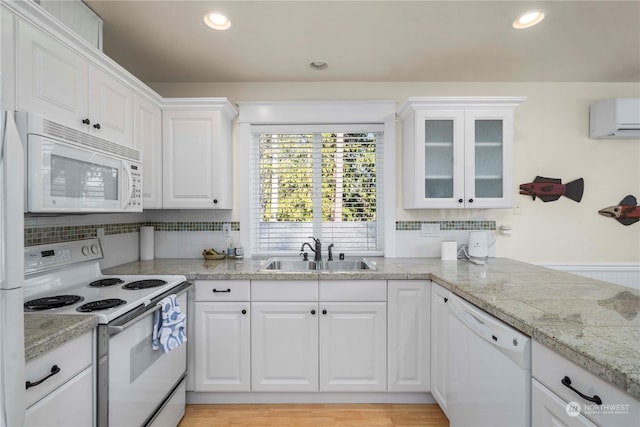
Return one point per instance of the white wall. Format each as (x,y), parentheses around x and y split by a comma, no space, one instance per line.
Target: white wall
(551,139)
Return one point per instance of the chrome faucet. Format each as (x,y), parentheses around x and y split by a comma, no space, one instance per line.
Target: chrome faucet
(317,251)
(330,252)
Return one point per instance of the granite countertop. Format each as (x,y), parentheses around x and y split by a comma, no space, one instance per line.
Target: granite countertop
(45,332)
(595,324)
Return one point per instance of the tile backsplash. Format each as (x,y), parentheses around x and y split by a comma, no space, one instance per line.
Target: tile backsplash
(39,235)
(186,239)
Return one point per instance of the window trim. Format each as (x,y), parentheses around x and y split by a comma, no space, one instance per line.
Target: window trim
(317,112)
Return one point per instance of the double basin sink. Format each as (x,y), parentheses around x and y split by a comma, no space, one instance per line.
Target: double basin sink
(291,265)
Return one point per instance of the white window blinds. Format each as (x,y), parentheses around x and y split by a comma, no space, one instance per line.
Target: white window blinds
(322,181)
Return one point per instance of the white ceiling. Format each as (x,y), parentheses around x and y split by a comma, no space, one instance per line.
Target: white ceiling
(579,41)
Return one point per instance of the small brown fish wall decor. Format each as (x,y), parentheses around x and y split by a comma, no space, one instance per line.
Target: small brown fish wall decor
(626,212)
(550,189)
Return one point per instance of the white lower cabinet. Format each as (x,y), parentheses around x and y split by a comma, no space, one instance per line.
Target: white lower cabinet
(62,384)
(409,335)
(222,343)
(551,411)
(222,346)
(284,346)
(69,405)
(563,394)
(353,343)
(439,344)
(311,336)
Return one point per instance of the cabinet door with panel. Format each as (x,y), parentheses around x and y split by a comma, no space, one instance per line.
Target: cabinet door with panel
(353,346)
(222,345)
(409,335)
(458,152)
(439,344)
(222,329)
(284,346)
(197,159)
(57,83)
(52,80)
(110,108)
(147,130)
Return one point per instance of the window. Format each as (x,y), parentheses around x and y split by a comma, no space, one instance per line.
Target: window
(323,181)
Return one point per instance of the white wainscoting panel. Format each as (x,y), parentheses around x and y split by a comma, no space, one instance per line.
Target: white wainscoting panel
(620,274)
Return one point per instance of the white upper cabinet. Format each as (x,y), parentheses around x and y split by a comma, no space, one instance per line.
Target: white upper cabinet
(110,108)
(57,83)
(197,157)
(458,152)
(147,137)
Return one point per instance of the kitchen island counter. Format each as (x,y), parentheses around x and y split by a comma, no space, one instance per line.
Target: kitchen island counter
(593,323)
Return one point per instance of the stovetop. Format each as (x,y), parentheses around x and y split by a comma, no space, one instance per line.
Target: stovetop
(65,274)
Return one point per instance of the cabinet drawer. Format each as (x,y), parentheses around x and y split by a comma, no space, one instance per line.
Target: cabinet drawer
(222,290)
(284,290)
(71,358)
(56,409)
(549,410)
(353,290)
(618,408)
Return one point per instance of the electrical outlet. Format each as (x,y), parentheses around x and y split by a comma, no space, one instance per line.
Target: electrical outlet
(517,208)
(226,229)
(100,233)
(430,230)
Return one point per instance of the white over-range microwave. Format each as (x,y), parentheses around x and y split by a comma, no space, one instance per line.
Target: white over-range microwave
(69,171)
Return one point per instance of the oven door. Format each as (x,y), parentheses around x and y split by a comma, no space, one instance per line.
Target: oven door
(141,378)
(65,178)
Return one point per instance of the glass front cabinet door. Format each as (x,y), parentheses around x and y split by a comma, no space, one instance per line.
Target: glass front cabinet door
(458,152)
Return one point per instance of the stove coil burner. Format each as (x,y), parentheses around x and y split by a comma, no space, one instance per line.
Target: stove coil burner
(56,301)
(102,304)
(106,282)
(144,284)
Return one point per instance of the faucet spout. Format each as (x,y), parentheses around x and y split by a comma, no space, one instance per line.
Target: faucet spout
(317,251)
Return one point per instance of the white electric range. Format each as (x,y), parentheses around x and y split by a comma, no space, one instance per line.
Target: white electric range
(136,385)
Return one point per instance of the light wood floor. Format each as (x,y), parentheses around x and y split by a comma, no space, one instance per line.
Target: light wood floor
(303,415)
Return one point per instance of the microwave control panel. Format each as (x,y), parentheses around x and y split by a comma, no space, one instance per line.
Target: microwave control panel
(135,203)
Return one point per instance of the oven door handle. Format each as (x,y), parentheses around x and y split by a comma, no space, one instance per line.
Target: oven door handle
(114,330)
(134,316)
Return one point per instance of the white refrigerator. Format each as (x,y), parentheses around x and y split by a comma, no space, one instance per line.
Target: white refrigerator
(12,371)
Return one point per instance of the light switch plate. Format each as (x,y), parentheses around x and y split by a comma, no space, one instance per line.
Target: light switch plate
(430,230)
(226,229)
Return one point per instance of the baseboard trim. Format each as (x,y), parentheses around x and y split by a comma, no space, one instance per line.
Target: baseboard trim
(311,397)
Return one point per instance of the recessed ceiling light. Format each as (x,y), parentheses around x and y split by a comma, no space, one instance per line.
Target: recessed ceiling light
(318,65)
(217,21)
(528,19)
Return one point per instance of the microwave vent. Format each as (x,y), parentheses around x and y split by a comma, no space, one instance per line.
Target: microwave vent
(76,137)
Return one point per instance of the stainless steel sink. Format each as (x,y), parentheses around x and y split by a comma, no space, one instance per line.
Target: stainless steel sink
(292,265)
(288,265)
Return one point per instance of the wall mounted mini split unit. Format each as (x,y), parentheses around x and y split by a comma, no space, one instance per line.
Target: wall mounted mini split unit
(615,118)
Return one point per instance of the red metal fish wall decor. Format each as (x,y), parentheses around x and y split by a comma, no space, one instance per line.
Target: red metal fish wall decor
(627,212)
(550,189)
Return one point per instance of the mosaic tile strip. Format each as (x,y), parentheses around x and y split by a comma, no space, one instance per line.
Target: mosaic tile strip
(51,234)
(192,226)
(447,225)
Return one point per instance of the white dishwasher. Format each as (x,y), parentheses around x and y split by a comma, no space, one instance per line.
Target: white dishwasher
(488,379)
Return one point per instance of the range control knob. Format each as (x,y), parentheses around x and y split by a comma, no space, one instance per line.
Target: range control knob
(94,249)
(86,251)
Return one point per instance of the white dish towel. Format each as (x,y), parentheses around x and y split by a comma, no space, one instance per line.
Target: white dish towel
(169,325)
